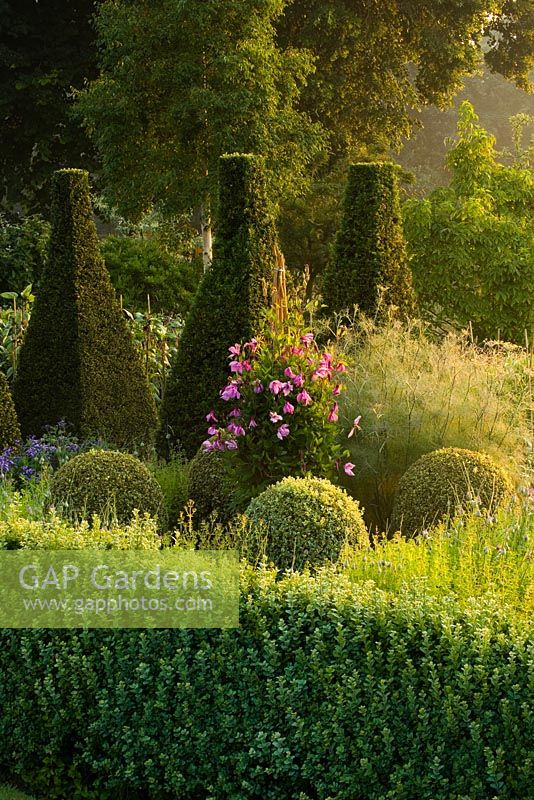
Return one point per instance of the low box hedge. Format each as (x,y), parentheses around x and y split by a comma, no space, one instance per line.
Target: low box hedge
(325,692)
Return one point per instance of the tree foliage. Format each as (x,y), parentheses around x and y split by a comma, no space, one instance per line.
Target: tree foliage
(472,242)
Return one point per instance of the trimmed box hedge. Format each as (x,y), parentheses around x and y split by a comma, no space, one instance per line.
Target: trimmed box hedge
(325,692)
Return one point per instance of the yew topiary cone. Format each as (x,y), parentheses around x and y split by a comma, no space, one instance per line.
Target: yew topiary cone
(9,426)
(78,361)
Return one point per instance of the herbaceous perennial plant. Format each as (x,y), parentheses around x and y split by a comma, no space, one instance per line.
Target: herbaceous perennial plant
(282,406)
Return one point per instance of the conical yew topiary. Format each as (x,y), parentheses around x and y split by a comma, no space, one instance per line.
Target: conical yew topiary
(78,361)
(227,306)
(370,263)
(9,426)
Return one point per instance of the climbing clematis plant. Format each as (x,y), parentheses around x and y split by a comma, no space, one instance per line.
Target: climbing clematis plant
(282,399)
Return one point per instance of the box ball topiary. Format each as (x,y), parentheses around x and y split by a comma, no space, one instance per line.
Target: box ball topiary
(445,482)
(210,486)
(108,483)
(301,521)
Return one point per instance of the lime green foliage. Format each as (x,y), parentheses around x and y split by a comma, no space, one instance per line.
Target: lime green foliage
(142,267)
(369,268)
(211,487)
(468,557)
(325,690)
(78,361)
(9,426)
(416,395)
(23,252)
(107,483)
(448,482)
(173,478)
(8,793)
(472,243)
(305,521)
(227,305)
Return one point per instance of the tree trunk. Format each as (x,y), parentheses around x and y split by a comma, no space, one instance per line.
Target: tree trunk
(207,248)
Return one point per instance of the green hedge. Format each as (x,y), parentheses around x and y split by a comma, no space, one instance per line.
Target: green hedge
(325,692)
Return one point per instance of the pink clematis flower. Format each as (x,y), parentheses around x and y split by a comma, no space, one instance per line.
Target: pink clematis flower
(355,424)
(274,417)
(235,350)
(211,417)
(230,392)
(333,415)
(349,469)
(212,430)
(252,345)
(289,408)
(288,372)
(252,423)
(236,429)
(235,412)
(304,398)
(287,388)
(298,381)
(236,366)
(282,432)
(276,387)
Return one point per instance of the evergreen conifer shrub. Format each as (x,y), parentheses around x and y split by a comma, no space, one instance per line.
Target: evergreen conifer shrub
(227,306)
(78,362)
(9,425)
(370,262)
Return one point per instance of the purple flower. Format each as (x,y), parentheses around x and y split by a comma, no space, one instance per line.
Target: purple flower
(252,423)
(298,381)
(235,350)
(340,367)
(231,444)
(208,446)
(288,372)
(274,417)
(333,415)
(349,469)
(307,339)
(235,412)
(304,398)
(212,430)
(230,392)
(236,429)
(258,387)
(247,365)
(236,366)
(282,431)
(211,417)
(336,390)
(276,387)
(289,408)
(355,424)
(252,345)
(287,388)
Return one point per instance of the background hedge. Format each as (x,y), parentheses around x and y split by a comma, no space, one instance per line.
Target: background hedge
(325,692)
(370,248)
(227,306)
(78,361)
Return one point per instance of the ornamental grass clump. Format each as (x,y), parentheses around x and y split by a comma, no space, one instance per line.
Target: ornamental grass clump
(282,407)
(304,521)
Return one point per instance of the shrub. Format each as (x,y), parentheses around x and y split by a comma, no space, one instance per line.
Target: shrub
(325,690)
(305,521)
(106,483)
(211,487)
(472,242)
(9,426)
(23,252)
(227,305)
(282,401)
(78,361)
(445,483)
(370,265)
(139,267)
(416,395)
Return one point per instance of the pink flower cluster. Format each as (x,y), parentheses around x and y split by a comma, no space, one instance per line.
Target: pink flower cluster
(306,367)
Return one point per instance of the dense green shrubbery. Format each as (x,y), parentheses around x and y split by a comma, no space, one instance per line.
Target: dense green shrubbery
(109,484)
(416,395)
(227,305)
(445,483)
(369,268)
(139,267)
(23,252)
(9,426)
(302,521)
(324,691)
(472,242)
(211,487)
(78,362)
(173,478)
